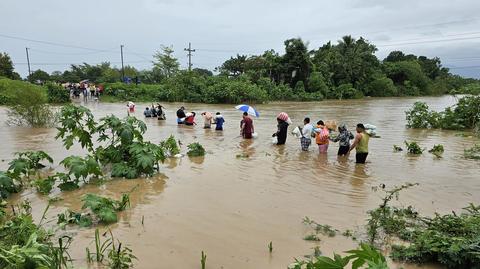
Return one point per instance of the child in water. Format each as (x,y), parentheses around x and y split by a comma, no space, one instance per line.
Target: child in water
(219,121)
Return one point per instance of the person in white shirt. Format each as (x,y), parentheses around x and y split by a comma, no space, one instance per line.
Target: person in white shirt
(306,140)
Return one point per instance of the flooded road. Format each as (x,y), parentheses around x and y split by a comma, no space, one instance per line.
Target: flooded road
(244,194)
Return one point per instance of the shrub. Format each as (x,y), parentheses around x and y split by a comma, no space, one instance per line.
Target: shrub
(464,115)
(451,239)
(380,86)
(347,91)
(105,208)
(57,94)
(419,116)
(365,256)
(27,103)
(195,149)
(472,153)
(413,148)
(170,146)
(8,185)
(437,150)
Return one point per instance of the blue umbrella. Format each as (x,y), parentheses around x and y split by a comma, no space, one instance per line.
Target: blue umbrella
(250,110)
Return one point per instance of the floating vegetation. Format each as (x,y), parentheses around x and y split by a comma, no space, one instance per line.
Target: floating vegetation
(437,150)
(170,146)
(473,152)
(397,148)
(105,208)
(312,237)
(320,228)
(195,150)
(413,148)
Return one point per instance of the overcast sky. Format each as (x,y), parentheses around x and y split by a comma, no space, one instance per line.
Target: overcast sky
(92,30)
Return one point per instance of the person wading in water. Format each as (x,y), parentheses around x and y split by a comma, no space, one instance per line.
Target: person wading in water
(246,126)
(360,143)
(181,115)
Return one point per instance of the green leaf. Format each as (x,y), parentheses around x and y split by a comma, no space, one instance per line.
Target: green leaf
(68,186)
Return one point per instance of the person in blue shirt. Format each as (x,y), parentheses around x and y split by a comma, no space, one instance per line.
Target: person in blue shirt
(147,113)
(219,121)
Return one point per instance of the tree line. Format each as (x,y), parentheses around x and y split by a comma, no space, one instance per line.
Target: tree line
(345,70)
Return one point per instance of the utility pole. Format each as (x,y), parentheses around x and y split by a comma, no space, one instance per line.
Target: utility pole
(123,69)
(190,50)
(28,62)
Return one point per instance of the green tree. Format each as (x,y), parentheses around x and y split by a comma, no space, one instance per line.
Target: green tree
(233,66)
(316,83)
(380,85)
(398,56)
(408,76)
(273,62)
(57,76)
(432,67)
(38,76)
(203,72)
(6,67)
(69,76)
(296,61)
(356,62)
(165,64)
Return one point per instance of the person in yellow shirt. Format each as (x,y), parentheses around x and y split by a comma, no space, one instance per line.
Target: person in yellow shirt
(360,143)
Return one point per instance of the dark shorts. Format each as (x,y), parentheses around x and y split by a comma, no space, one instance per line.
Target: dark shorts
(343,150)
(361,157)
(188,123)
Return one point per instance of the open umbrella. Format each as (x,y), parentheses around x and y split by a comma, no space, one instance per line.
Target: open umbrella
(250,110)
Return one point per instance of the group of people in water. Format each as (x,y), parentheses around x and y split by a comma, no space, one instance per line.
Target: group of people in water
(86,89)
(155,112)
(322,133)
(188,118)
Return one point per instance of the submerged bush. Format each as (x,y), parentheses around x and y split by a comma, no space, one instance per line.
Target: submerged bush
(27,104)
(365,256)
(464,115)
(170,146)
(450,239)
(8,185)
(195,150)
(472,153)
(413,148)
(105,208)
(437,150)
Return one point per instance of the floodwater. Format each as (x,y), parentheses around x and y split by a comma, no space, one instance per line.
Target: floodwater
(244,194)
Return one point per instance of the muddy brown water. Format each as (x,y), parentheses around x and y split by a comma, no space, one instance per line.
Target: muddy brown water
(232,207)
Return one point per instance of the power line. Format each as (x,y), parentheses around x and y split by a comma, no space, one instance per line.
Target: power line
(464,67)
(428,41)
(70,63)
(75,53)
(50,43)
